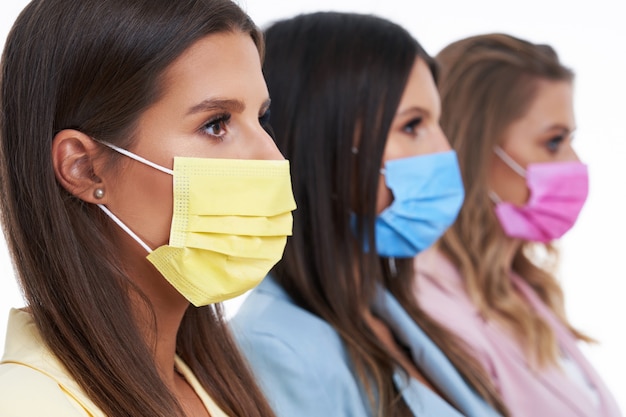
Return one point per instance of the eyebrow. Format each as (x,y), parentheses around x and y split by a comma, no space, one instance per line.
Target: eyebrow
(561,127)
(413,109)
(235,106)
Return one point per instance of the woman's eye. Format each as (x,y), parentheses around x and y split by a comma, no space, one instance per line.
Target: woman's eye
(264,119)
(554,143)
(412,125)
(216,126)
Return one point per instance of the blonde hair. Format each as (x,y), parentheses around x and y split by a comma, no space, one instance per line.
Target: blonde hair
(486,83)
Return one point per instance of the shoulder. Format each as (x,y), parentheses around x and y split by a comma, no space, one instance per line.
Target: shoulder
(25,392)
(298,358)
(268,321)
(441,293)
(269,313)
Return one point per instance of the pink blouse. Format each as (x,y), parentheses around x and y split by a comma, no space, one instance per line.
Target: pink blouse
(549,392)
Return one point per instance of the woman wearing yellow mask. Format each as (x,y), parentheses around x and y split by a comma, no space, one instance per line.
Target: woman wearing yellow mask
(137,179)
(334,331)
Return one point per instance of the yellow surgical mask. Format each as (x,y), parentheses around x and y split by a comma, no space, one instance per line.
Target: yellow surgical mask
(229,228)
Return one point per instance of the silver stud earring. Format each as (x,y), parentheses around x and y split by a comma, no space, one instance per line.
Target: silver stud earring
(98,193)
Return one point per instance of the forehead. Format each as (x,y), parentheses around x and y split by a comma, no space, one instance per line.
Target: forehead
(221,64)
(552,105)
(420,90)
(553,99)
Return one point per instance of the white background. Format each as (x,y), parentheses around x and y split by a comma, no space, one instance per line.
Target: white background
(590,38)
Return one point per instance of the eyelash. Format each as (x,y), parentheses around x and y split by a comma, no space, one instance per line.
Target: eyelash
(264,119)
(219,121)
(553,143)
(412,125)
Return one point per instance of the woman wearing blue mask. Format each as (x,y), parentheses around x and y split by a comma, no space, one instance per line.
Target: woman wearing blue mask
(333,331)
(139,188)
(508,111)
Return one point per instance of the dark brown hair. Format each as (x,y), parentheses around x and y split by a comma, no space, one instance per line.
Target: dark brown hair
(487,82)
(95,66)
(336,79)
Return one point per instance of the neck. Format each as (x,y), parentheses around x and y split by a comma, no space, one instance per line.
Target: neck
(160,317)
(510,246)
(159,324)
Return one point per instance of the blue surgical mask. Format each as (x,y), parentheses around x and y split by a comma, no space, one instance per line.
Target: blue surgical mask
(427,196)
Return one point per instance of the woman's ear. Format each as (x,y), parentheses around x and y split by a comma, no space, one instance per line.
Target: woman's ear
(74,157)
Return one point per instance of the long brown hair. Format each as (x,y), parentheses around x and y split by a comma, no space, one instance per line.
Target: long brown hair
(95,66)
(337,79)
(486,83)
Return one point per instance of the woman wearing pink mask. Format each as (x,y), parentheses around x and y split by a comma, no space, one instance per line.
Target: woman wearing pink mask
(507,110)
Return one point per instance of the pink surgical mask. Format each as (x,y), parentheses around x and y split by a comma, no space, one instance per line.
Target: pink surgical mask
(558,191)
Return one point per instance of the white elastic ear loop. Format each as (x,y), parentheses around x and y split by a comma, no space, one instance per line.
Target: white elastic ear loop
(124,227)
(110,213)
(494,197)
(138,158)
(392,267)
(509,161)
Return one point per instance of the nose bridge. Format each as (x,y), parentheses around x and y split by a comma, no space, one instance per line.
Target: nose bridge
(260,145)
(442,142)
(571,154)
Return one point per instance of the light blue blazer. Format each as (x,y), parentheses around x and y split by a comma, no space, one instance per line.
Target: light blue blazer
(304,370)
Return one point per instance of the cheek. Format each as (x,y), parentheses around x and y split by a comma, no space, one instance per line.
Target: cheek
(157,204)
(507,184)
(568,154)
(144,202)
(383,196)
